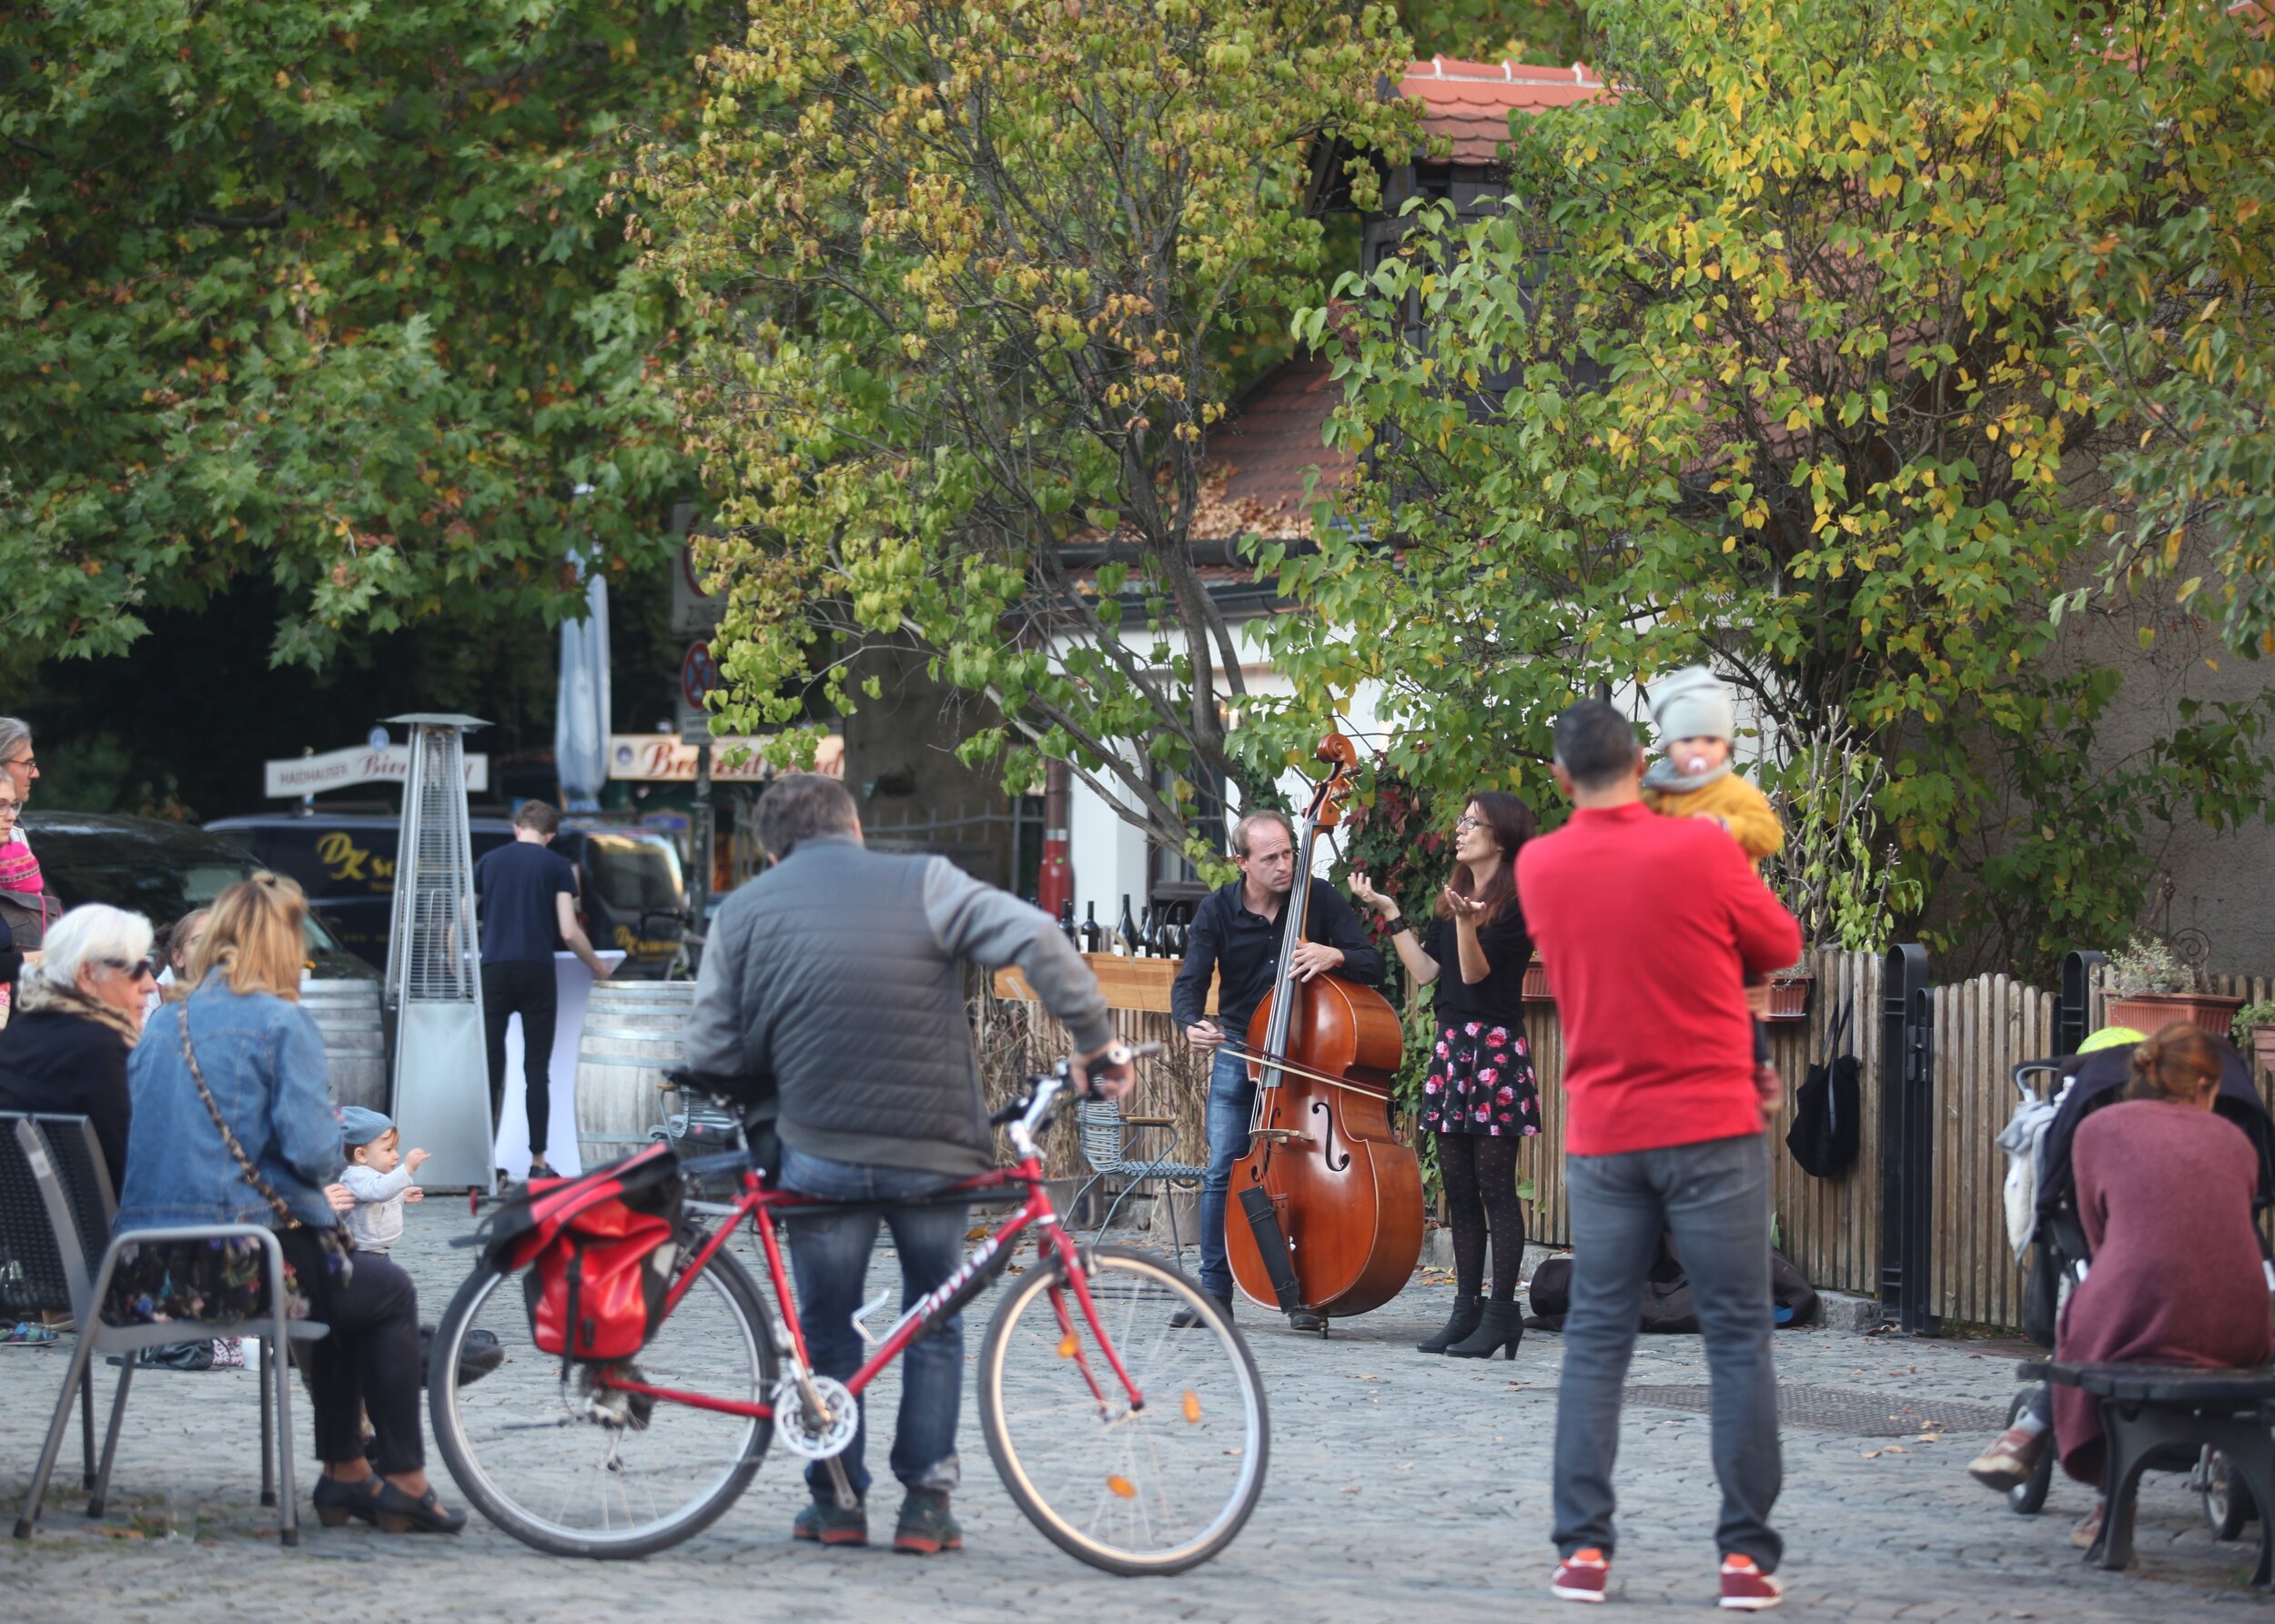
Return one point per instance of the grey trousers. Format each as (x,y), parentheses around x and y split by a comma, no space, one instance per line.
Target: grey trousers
(1714,1198)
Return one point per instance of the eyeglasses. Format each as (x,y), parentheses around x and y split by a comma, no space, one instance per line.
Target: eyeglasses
(1466,821)
(8,808)
(135,968)
(30,762)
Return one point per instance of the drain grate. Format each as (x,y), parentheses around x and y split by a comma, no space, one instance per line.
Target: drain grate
(1845,1409)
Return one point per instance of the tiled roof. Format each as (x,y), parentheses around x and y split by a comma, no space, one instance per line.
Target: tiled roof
(1263,450)
(1469,103)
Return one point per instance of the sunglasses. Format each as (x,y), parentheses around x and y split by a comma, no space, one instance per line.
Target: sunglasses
(137,968)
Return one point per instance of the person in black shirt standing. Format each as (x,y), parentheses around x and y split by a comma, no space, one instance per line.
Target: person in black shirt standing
(1234,938)
(526,898)
(1479,1097)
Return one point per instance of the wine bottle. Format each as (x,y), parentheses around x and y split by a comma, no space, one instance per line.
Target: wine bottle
(1148,933)
(1129,929)
(1091,932)
(1067,918)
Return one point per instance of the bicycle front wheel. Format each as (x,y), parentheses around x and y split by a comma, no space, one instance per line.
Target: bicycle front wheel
(580,1472)
(1152,1486)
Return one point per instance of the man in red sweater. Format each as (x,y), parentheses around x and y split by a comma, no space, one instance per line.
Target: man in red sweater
(1648,927)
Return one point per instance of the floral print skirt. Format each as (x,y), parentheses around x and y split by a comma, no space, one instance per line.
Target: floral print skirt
(1481,1081)
(216,1279)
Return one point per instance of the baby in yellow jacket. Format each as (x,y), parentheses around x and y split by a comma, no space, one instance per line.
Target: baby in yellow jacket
(1693,778)
(1696,722)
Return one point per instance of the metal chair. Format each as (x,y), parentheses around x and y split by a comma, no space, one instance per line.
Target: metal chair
(1108,1139)
(55,1210)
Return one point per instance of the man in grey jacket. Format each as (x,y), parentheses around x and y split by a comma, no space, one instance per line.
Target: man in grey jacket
(838,973)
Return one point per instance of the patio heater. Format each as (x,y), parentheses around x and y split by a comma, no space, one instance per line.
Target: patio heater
(441,1080)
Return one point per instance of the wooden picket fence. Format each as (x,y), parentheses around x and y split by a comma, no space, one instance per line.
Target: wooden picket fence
(1984,1028)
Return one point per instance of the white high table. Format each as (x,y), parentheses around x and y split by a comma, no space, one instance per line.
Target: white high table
(513,1149)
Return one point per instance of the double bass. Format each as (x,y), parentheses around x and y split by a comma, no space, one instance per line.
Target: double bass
(1325,1210)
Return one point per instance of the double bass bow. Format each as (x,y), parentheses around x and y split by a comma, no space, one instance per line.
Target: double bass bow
(1326,1208)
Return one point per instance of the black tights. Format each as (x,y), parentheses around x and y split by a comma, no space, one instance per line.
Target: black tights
(1480,1182)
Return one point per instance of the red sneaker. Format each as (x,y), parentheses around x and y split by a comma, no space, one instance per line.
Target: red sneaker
(1581,1576)
(1746,1588)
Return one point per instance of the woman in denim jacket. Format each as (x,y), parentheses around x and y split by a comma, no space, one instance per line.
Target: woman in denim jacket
(258,1055)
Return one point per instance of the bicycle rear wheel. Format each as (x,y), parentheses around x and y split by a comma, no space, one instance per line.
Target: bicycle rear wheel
(1132,1490)
(541,1458)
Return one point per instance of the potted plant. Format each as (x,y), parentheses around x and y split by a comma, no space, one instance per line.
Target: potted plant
(1789,991)
(2146,986)
(2254,1031)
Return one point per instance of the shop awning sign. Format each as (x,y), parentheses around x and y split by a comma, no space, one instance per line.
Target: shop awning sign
(659,758)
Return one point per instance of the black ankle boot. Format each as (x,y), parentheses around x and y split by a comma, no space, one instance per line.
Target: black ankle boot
(1467,1312)
(1501,1325)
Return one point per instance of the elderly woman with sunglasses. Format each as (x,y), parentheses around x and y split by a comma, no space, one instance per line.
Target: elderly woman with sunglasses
(76,1016)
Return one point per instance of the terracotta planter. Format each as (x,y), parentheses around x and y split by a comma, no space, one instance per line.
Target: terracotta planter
(2144,1011)
(1536,984)
(2263,1047)
(1789,998)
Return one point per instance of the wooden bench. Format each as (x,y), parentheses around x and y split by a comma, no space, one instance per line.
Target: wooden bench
(2165,1416)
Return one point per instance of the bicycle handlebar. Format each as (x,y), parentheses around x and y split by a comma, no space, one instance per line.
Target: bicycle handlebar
(1029,1108)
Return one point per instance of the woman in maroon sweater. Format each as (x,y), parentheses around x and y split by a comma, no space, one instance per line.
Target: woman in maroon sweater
(2164,1190)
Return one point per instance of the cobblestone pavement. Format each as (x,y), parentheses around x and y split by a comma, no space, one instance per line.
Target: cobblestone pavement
(1401,1487)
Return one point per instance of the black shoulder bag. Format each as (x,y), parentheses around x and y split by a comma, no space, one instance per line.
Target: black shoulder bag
(1828,1107)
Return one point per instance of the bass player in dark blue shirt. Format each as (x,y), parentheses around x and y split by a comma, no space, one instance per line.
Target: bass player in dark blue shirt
(1235,939)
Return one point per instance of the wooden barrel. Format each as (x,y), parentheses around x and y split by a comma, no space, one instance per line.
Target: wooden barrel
(634,1031)
(355,1039)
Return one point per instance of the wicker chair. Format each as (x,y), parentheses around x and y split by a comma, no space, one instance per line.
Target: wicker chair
(1108,1140)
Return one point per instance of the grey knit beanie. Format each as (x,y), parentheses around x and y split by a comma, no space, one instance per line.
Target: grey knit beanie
(1693,703)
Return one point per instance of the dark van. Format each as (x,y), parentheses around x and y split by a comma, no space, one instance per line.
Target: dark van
(161,870)
(631,897)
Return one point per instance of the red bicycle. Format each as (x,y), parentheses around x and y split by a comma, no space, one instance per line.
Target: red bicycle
(1134,1444)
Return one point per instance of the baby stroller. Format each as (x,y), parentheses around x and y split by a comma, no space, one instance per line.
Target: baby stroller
(2083,1083)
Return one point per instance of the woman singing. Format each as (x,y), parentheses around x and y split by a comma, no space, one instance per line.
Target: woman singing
(1479,1097)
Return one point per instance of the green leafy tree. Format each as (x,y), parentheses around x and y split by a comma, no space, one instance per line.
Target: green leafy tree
(967,275)
(1764,364)
(320,292)
(2175,312)
(1553,32)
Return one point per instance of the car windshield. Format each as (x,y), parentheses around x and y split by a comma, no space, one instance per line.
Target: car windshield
(636,874)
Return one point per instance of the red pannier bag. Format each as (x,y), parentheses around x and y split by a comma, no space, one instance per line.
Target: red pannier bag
(599,1249)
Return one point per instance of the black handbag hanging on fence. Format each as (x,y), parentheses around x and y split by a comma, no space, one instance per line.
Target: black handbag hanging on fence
(1828,1107)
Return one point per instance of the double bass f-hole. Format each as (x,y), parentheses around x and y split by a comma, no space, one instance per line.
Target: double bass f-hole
(1327,1136)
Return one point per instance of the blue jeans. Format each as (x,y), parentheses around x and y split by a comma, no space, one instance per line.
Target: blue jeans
(829,1258)
(1714,1199)
(1231,1100)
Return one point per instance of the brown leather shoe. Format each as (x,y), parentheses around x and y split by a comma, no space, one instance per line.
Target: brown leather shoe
(2008,1463)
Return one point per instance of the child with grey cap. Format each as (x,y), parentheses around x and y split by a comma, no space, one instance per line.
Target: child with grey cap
(1694,778)
(380,1185)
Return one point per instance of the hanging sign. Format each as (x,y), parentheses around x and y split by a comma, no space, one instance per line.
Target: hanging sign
(361,764)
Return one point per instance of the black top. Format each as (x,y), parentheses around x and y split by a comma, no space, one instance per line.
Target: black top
(69,1066)
(514,887)
(1499,997)
(1242,949)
